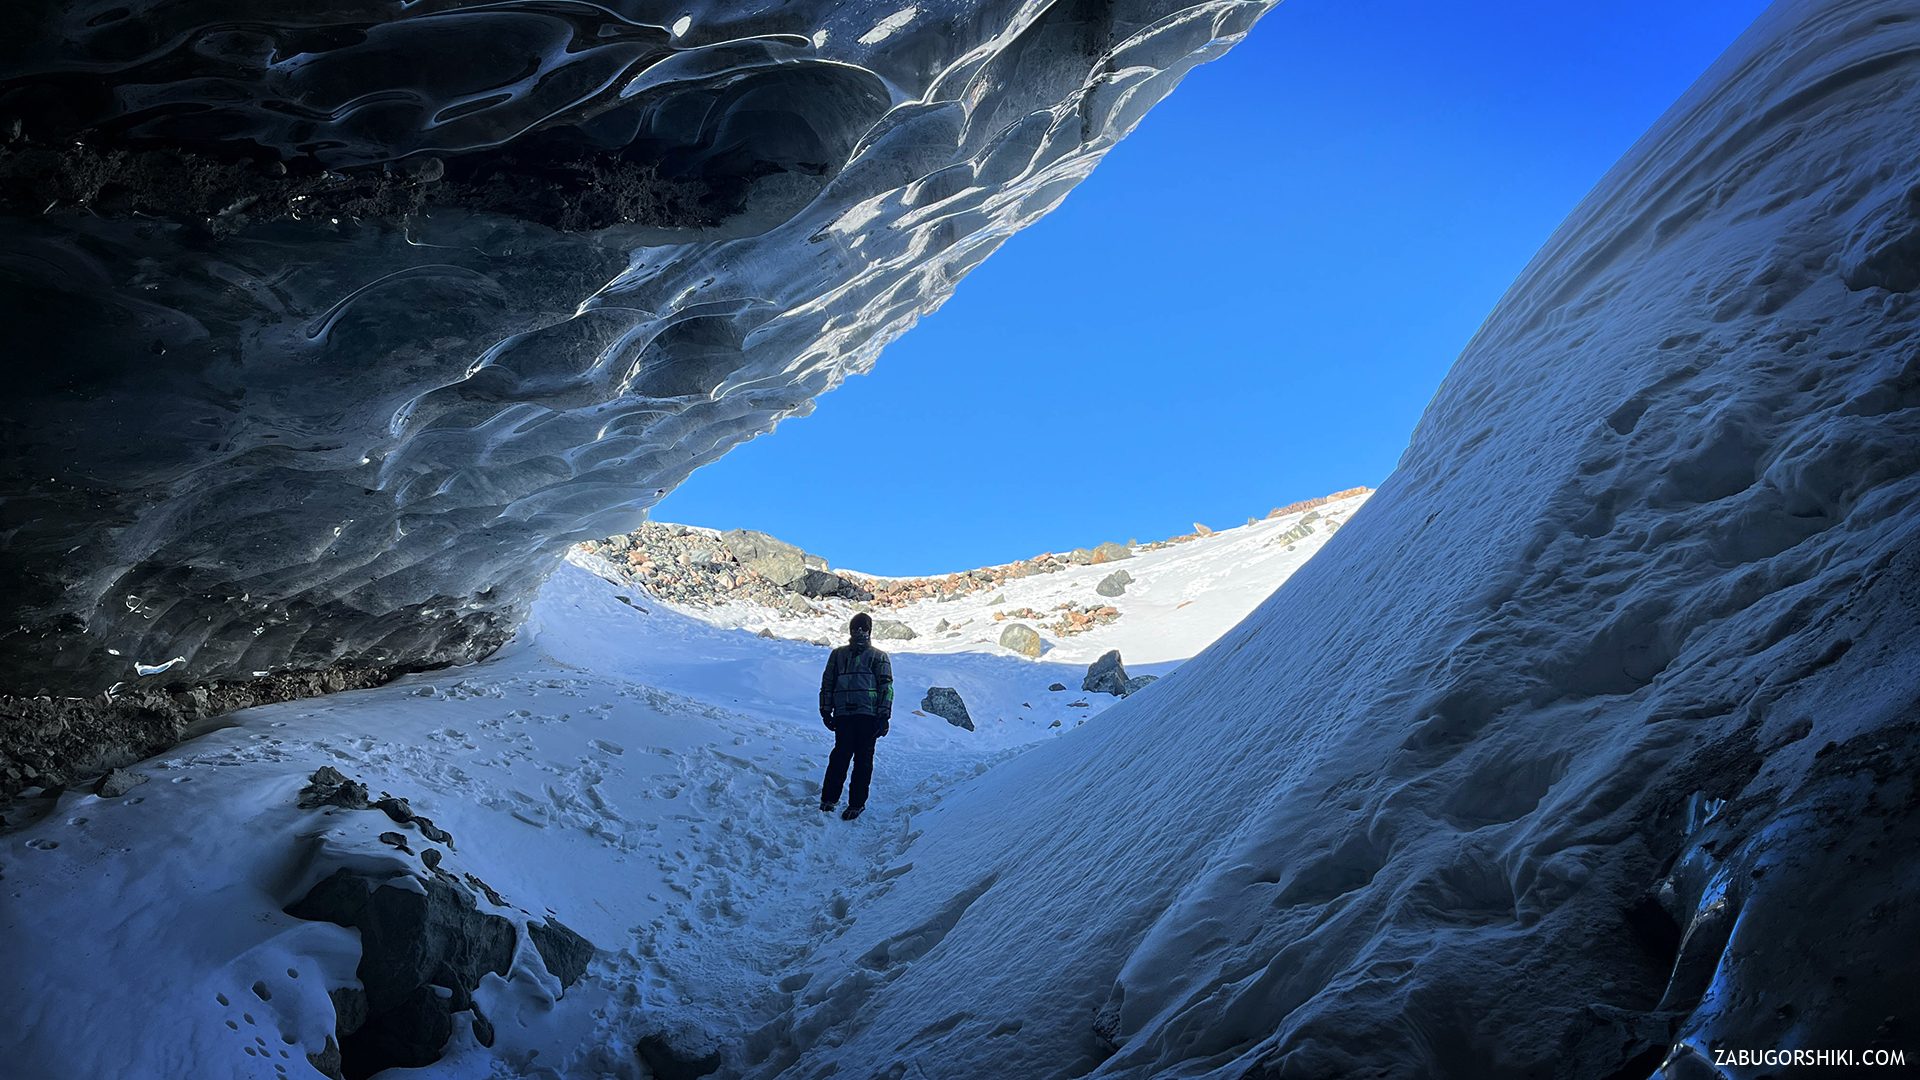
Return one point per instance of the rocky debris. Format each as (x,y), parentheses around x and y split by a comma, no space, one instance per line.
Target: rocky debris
(1080,618)
(1018,613)
(1057,687)
(1114,584)
(118,782)
(699,568)
(398,810)
(1300,531)
(785,565)
(892,630)
(1022,639)
(1201,530)
(944,702)
(1309,504)
(329,787)
(1108,676)
(226,195)
(47,740)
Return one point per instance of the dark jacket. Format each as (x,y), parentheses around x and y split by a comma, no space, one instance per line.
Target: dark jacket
(858,682)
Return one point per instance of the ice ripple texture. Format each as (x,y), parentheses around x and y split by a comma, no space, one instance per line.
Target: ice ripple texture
(274,441)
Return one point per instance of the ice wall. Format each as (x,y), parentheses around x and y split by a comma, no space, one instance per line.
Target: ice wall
(332,324)
(1586,747)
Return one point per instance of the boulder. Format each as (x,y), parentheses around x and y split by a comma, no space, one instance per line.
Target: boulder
(1111,552)
(892,630)
(1114,584)
(944,702)
(328,787)
(1057,687)
(118,782)
(817,582)
(776,560)
(1022,639)
(423,949)
(1137,683)
(1107,676)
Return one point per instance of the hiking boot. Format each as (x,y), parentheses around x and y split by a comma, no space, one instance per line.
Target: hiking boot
(850,812)
(826,808)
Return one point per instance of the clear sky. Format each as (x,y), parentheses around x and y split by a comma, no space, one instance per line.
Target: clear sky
(1249,302)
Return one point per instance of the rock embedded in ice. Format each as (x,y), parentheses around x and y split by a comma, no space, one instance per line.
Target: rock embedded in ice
(118,782)
(892,630)
(1114,584)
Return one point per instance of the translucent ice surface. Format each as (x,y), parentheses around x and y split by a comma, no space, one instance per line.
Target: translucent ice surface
(335,323)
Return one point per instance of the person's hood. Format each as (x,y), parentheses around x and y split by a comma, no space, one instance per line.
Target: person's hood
(855,637)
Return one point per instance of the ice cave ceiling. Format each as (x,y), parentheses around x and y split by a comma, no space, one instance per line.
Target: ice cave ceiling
(331,323)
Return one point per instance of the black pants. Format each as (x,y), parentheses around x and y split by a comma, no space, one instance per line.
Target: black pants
(853,740)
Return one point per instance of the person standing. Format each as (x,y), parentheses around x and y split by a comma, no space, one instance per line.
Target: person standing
(856,704)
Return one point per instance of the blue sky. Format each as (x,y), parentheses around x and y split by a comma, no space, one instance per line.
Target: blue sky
(1249,302)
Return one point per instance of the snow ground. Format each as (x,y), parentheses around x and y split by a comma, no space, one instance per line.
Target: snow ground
(647,776)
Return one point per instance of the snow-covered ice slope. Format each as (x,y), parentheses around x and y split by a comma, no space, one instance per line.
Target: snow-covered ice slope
(1449,804)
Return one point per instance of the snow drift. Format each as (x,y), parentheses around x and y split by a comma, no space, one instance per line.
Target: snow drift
(1585,747)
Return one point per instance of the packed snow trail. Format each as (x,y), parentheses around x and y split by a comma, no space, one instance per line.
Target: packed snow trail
(657,788)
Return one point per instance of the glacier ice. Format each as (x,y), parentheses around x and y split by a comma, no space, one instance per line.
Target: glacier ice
(334,324)
(1585,748)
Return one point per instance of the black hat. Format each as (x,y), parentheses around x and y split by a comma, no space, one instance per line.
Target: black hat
(861,626)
